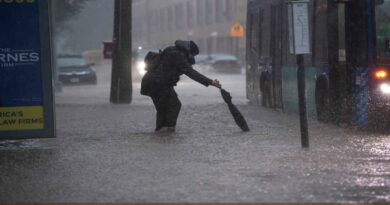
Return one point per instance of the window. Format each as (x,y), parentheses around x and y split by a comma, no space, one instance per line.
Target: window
(229,9)
(179,16)
(156,21)
(152,22)
(200,7)
(209,11)
(220,11)
(170,18)
(162,20)
(190,14)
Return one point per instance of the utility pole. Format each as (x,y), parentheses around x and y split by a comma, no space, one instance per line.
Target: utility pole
(121,82)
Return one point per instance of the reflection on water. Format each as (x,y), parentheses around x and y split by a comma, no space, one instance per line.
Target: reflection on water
(27,144)
(379,147)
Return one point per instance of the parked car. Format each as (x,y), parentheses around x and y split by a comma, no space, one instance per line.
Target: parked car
(225,63)
(202,63)
(73,69)
(203,59)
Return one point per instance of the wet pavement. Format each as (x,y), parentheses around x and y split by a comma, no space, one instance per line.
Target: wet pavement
(109,153)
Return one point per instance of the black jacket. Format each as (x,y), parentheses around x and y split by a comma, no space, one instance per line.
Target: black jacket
(176,62)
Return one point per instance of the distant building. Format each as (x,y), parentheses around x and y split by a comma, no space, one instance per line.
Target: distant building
(157,23)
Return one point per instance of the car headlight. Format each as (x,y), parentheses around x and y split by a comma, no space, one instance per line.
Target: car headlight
(385,88)
(141,67)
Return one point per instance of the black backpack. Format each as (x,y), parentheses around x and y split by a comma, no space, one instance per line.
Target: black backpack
(154,79)
(152,60)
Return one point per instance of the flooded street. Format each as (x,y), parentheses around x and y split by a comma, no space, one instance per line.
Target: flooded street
(65,70)
(109,153)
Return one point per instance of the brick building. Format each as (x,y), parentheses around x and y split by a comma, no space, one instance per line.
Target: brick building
(158,23)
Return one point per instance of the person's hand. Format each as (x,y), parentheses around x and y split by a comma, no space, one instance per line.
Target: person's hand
(216,83)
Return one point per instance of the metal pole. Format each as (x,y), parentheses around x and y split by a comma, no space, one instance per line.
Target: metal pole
(302,102)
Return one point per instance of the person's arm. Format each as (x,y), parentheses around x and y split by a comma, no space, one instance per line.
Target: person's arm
(188,70)
(195,75)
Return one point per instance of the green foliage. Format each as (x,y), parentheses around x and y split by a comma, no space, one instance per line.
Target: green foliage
(383,23)
(383,32)
(64,10)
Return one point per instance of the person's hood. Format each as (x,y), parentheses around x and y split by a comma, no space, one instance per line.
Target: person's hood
(188,46)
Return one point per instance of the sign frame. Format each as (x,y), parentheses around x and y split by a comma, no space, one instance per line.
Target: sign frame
(46,72)
(299,27)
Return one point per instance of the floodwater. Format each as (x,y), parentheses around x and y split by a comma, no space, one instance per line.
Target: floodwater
(109,153)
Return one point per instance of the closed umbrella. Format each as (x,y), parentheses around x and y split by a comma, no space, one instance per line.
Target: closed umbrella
(238,118)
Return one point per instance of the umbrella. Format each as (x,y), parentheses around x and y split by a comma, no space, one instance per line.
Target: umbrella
(240,120)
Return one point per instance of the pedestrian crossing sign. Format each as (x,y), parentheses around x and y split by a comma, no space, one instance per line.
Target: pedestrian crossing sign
(236,30)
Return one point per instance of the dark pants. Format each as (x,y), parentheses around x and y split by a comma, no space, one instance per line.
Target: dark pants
(168,109)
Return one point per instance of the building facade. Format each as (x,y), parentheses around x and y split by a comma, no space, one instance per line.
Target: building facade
(157,24)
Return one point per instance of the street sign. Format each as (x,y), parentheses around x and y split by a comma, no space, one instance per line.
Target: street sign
(237,30)
(26,93)
(299,40)
(299,35)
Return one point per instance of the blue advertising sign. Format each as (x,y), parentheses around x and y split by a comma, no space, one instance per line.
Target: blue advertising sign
(26,94)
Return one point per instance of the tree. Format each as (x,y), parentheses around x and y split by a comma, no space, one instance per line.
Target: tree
(121,85)
(64,10)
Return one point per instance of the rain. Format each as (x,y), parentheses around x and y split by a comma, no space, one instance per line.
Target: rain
(104,148)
